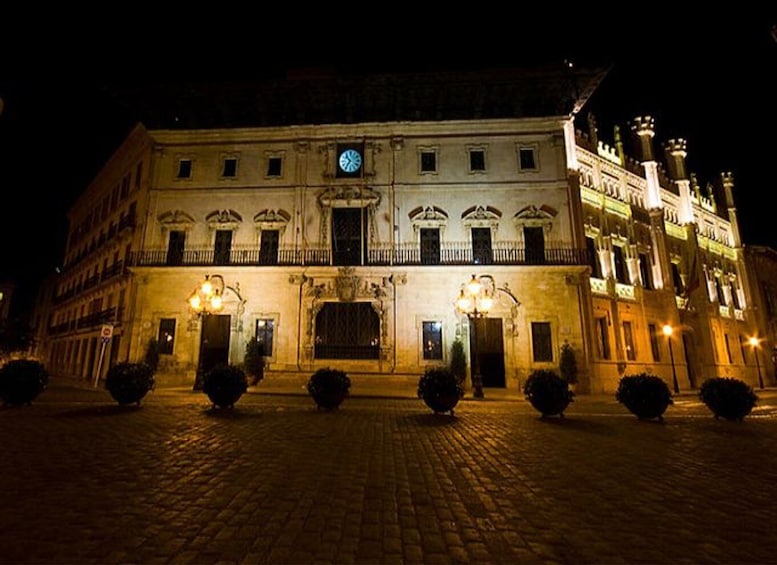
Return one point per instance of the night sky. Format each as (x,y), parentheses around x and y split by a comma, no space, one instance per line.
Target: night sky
(712,83)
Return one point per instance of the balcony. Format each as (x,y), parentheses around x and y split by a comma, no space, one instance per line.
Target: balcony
(452,253)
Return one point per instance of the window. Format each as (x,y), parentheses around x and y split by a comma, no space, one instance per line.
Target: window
(526,160)
(602,337)
(432,340)
(265,328)
(138,174)
(742,349)
(274,168)
(677,281)
(268,247)
(628,341)
(542,346)
(593,258)
(222,247)
(349,236)
(175,247)
(735,296)
(347,330)
(645,271)
(230,167)
(184,169)
(481,246)
(166,338)
(430,246)
(728,349)
(721,295)
(620,265)
(653,330)
(428,162)
(477,160)
(534,239)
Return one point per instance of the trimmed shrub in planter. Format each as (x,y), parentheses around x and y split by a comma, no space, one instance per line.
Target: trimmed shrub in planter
(224,384)
(253,361)
(329,387)
(440,389)
(128,383)
(646,396)
(547,392)
(458,364)
(728,398)
(21,381)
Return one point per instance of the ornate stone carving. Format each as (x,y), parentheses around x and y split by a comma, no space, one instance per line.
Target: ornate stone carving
(347,284)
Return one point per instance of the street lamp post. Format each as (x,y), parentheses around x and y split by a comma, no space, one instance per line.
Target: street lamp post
(475,300)
(754,343)
(668,333)
(204,300)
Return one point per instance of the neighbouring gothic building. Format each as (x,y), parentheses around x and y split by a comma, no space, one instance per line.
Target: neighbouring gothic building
(340,217)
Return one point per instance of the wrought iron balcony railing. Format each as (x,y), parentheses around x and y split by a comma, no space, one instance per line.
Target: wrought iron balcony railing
(452,253)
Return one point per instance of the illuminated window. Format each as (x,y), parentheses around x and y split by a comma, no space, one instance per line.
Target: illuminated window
(265,330)
(628,339)
(432,336)
(166,336)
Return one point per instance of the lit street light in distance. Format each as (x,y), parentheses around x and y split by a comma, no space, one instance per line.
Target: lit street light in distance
(475,300)
(668,331)
(755,343)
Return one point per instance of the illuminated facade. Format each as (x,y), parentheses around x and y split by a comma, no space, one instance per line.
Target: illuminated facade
(346,242)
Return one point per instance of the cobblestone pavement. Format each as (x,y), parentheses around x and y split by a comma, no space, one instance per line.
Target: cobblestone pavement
(381,480)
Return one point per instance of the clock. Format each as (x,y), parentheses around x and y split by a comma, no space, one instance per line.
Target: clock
(350,161)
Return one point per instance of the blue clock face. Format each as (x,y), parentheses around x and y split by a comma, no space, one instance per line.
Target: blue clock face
(350,161)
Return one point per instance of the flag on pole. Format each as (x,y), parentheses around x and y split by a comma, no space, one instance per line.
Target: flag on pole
(693,276)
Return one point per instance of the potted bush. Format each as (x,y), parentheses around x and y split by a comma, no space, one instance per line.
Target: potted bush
(547,392)
(646,396)
(329,387)
(728,398)
(21,381)
(152,355)
(225,384)
(440,389)
(458,362)
(129,382)
(253,361)
(568,364)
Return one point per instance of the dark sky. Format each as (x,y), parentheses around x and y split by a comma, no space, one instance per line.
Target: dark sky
(711,82)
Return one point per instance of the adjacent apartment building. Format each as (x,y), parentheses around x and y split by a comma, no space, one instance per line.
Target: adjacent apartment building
(340,218)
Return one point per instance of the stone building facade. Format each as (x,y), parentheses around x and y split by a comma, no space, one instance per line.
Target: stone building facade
(346,242)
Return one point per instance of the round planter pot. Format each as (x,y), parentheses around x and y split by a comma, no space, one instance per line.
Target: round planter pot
(441,403)
(329,400)
(553,406)
(224,397)
(128,394)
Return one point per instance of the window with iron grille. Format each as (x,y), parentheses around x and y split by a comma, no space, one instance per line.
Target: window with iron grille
(166,336)
(265,331)
(347,330)
(542,346)
(432,335)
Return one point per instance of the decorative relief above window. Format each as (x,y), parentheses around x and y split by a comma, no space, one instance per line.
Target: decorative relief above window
(429,217)
(532,216)
(175,220)
(268,219)
(223,220)
(481,217)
